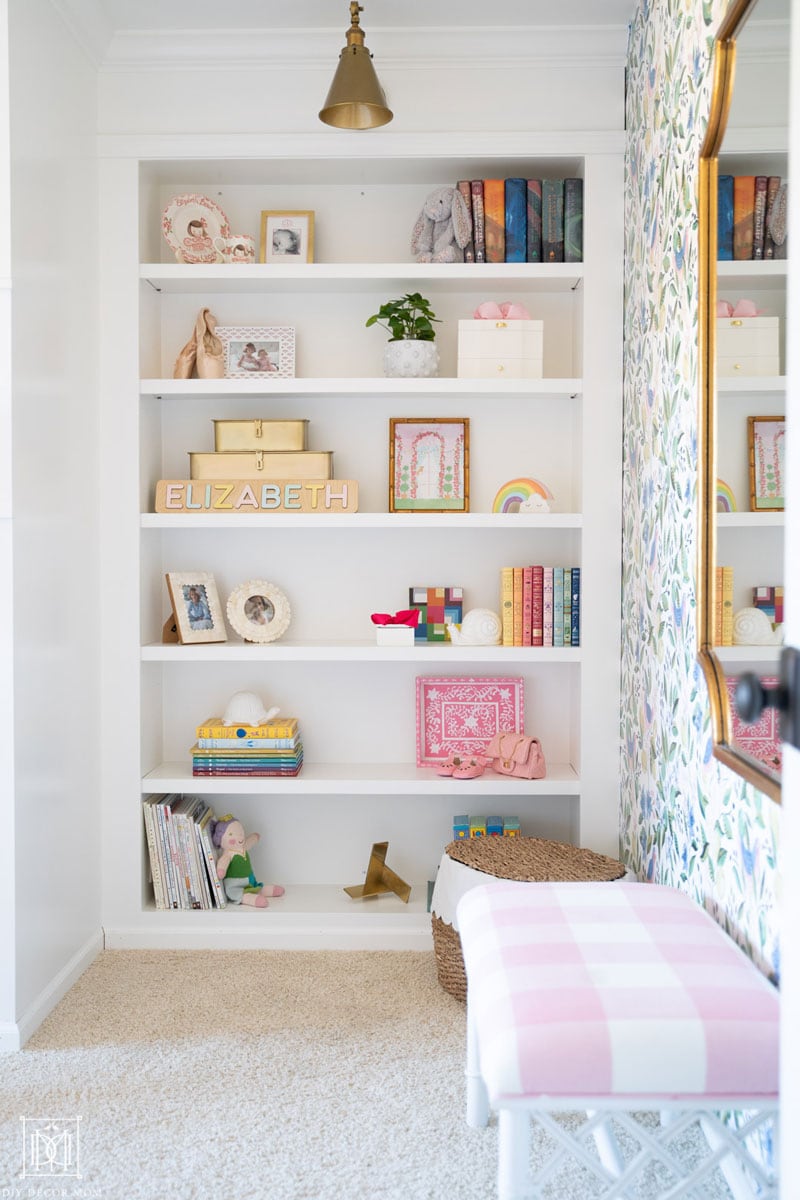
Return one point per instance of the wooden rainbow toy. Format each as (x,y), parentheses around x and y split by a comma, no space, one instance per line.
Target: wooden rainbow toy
(516,491)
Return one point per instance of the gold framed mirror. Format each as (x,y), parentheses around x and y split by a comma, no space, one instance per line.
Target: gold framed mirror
(750,389)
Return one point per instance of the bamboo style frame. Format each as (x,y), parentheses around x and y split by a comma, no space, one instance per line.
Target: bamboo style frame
(724,747)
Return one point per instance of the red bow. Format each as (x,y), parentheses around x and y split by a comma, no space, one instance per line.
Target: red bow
(404,616)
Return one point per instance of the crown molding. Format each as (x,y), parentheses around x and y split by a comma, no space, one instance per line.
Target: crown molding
(433,48)
(88,23)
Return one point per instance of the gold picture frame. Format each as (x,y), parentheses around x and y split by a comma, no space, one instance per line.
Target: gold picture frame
(766,439)
(429,464)
(286,237)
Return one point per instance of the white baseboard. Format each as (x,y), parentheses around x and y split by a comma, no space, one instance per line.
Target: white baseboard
(14,1036)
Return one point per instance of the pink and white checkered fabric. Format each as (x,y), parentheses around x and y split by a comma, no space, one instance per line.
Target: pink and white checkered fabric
(582,989)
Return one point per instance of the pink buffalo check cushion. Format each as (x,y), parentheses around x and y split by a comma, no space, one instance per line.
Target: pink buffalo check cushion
(582,989)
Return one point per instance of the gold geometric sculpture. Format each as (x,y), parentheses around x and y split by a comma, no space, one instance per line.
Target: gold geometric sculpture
(380,878)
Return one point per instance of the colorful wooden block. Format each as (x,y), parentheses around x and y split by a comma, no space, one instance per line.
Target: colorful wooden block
(477,827)
(494,826)
(437,606)
(460,828)
(511,827)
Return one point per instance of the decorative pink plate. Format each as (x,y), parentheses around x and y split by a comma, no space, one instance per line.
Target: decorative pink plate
(190,223)
(459,715)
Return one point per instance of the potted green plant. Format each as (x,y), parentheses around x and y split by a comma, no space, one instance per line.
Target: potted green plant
(411,350)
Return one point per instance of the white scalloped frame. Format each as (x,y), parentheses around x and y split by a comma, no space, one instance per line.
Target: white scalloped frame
(241,610)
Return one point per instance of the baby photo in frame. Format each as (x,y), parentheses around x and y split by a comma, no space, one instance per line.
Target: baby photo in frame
(429,464)
(287,237)
(196,607)
(257,351)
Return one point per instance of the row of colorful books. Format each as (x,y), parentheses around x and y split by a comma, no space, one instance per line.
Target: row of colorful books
(751,217)
(524,220)
(272,748)
(183,860)
(540,606)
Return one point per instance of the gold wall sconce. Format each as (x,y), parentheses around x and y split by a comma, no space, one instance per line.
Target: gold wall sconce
(356,99)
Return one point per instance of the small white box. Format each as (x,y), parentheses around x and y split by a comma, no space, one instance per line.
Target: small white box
(747,346)
(500,349)
(394,635)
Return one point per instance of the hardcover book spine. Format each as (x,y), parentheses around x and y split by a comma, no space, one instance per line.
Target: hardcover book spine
(478,221)
(533,232)
(517,606)
(247,743)
(152,850)
(725,217)
(516,220)
(537,616)
(217,888)
(567,606)
(727,606)
(166,855)
(494,216)
(507,604)
(547,606)
(271,729)
(573,220)
(465,187)
(773,183)
(778,605)
(575,638)
(718,606)
(558,606)
(759,216)
(527,605)
(744,198)
(552,220)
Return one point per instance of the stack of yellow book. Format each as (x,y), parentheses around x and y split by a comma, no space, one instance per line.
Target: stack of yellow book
(273,748)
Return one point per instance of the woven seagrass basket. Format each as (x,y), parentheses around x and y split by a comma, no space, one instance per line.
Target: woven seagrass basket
(526,859)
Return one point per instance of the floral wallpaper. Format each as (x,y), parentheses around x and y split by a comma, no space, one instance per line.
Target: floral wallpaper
(686,820)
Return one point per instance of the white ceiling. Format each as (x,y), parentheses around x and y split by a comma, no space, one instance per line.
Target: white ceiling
(281,15)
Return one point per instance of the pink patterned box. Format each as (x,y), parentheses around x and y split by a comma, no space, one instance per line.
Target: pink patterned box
(461,715)
(762,740)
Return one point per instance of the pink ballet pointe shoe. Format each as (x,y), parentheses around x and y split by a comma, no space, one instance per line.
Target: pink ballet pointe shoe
(210,356)
(186,360)
(469,769)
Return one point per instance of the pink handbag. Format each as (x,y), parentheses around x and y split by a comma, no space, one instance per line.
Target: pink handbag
(514,754)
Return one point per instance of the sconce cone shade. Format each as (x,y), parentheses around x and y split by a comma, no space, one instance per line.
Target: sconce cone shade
(355,99)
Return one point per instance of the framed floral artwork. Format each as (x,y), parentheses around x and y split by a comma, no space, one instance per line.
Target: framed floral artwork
(762,739)
(766,443)
(428,464)
(461,715)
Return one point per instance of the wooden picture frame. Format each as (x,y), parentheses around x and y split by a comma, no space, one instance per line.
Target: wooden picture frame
(766,449)
(287,237)
(259,611)
(429,464)
(257,351)
(196,607)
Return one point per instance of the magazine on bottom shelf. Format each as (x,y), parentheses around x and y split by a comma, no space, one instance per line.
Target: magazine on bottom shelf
(181,853)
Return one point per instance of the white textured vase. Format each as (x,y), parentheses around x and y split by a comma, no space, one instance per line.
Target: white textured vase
(410,360)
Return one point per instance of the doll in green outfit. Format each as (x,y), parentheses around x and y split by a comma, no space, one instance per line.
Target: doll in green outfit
(234,866)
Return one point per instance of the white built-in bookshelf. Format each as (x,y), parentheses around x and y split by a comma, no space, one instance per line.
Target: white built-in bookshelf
(750,542)
(355,700)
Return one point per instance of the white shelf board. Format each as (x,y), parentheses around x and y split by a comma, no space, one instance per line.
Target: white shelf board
(366,520)
(358,651)
(762,273)
(306,917)
(761,656)
(356,277)
(750,520)
(730,385)
(371,386)
(369,779)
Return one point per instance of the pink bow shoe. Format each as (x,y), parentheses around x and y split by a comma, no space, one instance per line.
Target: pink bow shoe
(469,769)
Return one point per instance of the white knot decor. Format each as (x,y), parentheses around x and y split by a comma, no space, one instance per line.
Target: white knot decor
(752,627)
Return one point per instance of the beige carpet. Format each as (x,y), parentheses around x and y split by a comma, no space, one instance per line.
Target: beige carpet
(271,1075)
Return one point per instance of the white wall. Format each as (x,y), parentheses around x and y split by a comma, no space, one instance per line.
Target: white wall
(54,540)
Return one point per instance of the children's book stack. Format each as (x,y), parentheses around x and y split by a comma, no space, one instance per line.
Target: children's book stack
(183,859)
(273,748)
(540,606)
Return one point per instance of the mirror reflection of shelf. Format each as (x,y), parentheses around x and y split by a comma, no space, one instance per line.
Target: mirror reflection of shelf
(762,658)
(749,520)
